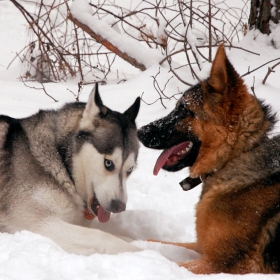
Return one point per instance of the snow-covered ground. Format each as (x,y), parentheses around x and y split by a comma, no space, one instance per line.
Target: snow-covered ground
(157,206)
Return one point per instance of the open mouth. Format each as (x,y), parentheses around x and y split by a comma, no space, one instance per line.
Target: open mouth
(172,159)
(99,211)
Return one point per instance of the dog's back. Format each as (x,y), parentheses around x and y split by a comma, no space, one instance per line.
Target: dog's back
(28,152)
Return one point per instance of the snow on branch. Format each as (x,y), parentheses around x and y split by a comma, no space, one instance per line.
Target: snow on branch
(122,45)
(84,40)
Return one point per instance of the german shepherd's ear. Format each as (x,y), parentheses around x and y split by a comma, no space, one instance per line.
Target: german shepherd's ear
(218,79)
(133,110)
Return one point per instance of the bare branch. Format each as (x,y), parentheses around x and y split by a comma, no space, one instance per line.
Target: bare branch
(64,46)
(270,70)
(249,72)
(107,44)
(42,88)
(160,91)
(210,29)
(253,87)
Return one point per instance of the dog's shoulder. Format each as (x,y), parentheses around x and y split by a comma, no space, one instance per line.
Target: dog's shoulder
(258,167)
(271,153)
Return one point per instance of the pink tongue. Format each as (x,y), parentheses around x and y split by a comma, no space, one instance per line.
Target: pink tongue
(103,215)
(162,159)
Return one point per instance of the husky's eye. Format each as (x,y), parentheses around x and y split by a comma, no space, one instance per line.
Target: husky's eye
(109,165)
(129,171)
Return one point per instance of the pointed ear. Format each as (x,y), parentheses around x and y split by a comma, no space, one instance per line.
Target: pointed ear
(218,79)
(133,110)
(94,102)
(97,98)
(93,107)
(103,109)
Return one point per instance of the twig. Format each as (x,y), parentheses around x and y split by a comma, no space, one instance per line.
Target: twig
(43,88)
(72,93)
(78,50)
(202,47)
(253,87)
(177,76)
(32,22)
(17,54)
(209,30)
(160,91)
(60,44)
(270,70)
(249,72)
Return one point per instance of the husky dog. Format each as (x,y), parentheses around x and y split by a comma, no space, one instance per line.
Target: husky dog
(59,169)
(220,131)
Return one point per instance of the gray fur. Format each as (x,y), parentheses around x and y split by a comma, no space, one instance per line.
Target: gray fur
(45,181)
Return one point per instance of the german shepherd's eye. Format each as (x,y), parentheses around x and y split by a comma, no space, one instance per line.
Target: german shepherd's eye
(183,112)
(129,171)
(109,165)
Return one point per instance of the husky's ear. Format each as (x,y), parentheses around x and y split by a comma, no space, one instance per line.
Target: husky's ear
(96,96)
(93,107)
(133,110)
(218,79)
(102,108)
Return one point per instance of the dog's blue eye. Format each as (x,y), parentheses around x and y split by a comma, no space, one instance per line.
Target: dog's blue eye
(109,165)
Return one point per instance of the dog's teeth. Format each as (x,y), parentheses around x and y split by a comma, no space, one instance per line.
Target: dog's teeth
(182,152)
(97,206)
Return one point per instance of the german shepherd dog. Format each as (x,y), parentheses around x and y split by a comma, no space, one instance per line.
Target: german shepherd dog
(220,132)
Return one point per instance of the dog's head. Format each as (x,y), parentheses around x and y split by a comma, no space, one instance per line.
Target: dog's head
(107,150)
(212,122)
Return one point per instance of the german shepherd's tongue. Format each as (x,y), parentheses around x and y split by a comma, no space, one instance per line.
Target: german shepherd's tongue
(171,156)
(103,215)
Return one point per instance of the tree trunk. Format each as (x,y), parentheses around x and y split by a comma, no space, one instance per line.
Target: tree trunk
(262,13)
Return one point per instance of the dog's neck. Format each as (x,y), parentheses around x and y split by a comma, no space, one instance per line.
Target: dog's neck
(246,168)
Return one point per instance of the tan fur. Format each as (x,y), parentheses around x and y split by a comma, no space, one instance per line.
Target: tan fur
(224,132)
(244,127)
(237,217)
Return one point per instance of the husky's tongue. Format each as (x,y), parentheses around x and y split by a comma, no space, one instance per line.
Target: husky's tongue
(103,215)
(172,155)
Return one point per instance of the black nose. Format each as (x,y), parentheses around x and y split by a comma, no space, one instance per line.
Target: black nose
(146,135)
(117,206)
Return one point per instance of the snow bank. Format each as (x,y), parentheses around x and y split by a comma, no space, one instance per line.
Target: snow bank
(157,206)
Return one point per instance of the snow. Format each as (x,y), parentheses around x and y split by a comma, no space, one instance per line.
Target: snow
(157,207)
(80,10)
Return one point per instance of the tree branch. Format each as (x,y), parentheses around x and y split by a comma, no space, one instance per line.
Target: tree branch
(249,72)
(107,44)
(270,70)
